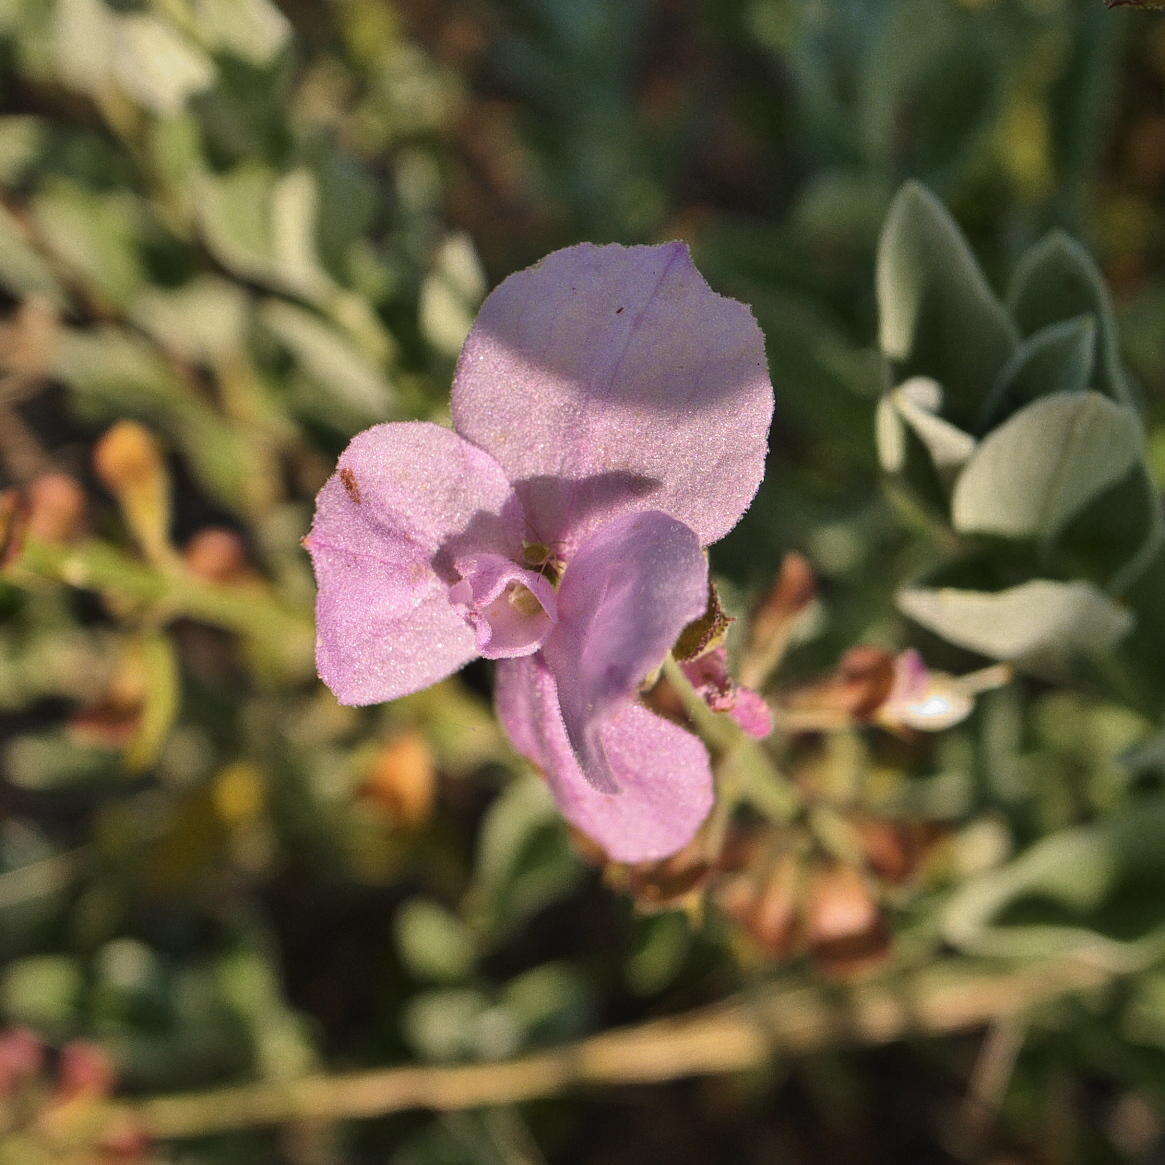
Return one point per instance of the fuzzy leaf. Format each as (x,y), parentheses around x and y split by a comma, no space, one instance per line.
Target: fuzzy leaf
(938,317)
(1041,624)
(1057,280)
(1057,358)
(1035,471)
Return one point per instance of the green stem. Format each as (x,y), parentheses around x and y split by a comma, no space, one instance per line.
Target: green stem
(283,634)
(746,772)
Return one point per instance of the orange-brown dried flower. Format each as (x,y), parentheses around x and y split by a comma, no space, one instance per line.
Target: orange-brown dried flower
(56,504)
(403,779)
(127,456)
(845,928)
(217,555)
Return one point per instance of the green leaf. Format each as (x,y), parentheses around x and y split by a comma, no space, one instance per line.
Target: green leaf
(1091,892)
(938,317)
(118,371)
(1038,469)
(253,30)
(447,1025)
(23,270)
(1057,280)
(85,40)
(262,226)
(1113,538)
(1040,625)
(434,944)
(96,237)
(550,1003)
(43,992)
(23,139)
(339,373)
(524,862)
(1058,358)
(451,294)
(201,320)
(156,66)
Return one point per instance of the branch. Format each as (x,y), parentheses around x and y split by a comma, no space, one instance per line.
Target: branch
(742,1033)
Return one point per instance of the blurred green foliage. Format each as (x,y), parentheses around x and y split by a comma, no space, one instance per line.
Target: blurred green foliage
(258,228)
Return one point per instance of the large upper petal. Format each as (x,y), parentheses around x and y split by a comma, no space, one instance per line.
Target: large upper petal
(664,777)
(405,501)
(628,592)
(604,379)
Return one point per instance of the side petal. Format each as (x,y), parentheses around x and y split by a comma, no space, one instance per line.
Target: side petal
(608,379)
(633,586)
(664,777)
(404,501)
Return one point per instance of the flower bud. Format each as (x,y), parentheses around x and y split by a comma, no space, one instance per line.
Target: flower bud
(85,1070)
(772,919)
(21,1059)
(56,505)
(866,676)
(216,555)
(895,850)
(403,779)
(855,691)
(28,338)
(844,925)
(763,890)
(130,464)
(127,457)
(794,590)
(776,619)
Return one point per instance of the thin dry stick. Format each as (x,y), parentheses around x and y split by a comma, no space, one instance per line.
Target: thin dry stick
(742,1033)
(988,1085)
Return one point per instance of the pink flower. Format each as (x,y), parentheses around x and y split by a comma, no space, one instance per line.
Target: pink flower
(610,420)
(709,675)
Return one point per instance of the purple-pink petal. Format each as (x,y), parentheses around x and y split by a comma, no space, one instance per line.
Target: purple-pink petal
(612,379)
(709,676)
(510,609)
(405,501)
(664,777)
(628,592)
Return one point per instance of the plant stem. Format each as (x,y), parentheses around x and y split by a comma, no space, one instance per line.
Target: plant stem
(743,1033)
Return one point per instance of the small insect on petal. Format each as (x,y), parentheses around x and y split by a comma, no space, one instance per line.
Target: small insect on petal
(348,479)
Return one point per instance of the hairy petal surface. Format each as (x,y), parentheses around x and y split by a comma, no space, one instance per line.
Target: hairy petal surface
(607,379)
(627,594)
(405,500)
(662,772)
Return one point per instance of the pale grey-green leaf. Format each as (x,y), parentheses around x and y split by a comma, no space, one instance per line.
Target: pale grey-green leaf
(1058,280)
(1041,624)
(156,66)
(1029,476)
(937,315)
(1057,358)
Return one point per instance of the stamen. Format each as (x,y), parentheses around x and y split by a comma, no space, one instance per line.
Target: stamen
(545,559)
(522,599)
